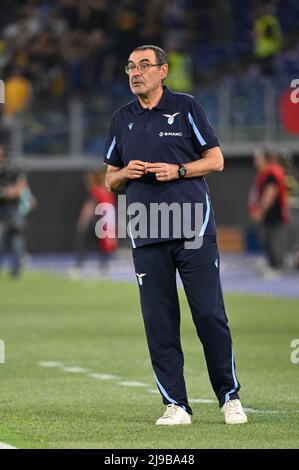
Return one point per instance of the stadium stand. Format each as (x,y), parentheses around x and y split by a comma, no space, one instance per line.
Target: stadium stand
(71,55)
(66,58)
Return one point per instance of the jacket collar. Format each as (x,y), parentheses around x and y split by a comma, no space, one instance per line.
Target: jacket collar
(138,109)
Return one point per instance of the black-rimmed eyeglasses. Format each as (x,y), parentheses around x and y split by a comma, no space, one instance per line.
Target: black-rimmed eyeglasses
(142,68)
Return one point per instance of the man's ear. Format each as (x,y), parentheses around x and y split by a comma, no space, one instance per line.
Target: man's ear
(164,71)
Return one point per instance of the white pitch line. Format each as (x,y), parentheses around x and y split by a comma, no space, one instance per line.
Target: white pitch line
(96,375)
(254,410)
(51,364)
(3,445)
(75,370)
(128,383)
(208,401)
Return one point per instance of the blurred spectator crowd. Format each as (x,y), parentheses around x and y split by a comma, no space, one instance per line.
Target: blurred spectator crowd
(73,46)
(51,51)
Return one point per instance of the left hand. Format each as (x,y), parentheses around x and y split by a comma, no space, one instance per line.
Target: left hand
(163,171)
(257,215)
(9,192)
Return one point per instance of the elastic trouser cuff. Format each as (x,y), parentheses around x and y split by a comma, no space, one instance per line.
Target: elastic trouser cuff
(185,407)
(232,396)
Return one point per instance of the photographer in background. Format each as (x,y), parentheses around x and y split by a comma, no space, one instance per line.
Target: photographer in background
(269,208)
(96,193)
(16,200)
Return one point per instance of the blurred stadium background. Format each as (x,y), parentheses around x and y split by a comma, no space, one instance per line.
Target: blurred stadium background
(62,63)
(63,67)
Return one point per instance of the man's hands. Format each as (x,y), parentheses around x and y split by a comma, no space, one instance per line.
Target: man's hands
(135,169)
(211,160)
(117,178)
(13,191)
(267,201)
(256,215)
(163,171)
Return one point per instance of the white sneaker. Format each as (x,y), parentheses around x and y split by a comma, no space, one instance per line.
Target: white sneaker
(233,412)
(174,414)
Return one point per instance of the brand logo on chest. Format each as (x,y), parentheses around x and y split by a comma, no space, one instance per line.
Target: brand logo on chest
(170,118)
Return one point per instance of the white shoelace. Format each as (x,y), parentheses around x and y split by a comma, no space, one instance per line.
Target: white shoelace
(170,411)
(233,405)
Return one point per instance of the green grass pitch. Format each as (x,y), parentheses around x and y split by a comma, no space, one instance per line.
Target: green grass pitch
(97,325)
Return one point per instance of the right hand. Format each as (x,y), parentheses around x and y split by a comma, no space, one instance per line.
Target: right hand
(135,169)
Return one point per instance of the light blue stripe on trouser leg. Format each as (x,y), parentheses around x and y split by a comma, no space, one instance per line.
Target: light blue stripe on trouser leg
(130,232)
(236,384)
(165,394)
(207,216)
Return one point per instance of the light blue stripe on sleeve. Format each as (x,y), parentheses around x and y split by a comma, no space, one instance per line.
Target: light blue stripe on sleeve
(113,143)
(196,131)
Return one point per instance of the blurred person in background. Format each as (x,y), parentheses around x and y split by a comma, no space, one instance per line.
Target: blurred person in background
(97,193)
(269,209)
(267,37)
(180,75)
(292,184)
(18,93)
(16,201)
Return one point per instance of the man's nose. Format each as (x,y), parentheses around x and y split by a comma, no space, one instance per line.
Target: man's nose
(136,72)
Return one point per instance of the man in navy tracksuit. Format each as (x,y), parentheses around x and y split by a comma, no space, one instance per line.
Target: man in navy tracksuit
(160,146)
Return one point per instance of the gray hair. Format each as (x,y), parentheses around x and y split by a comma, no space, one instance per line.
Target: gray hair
(160,54)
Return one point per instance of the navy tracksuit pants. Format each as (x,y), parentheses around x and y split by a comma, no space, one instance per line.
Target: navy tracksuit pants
(156,266)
